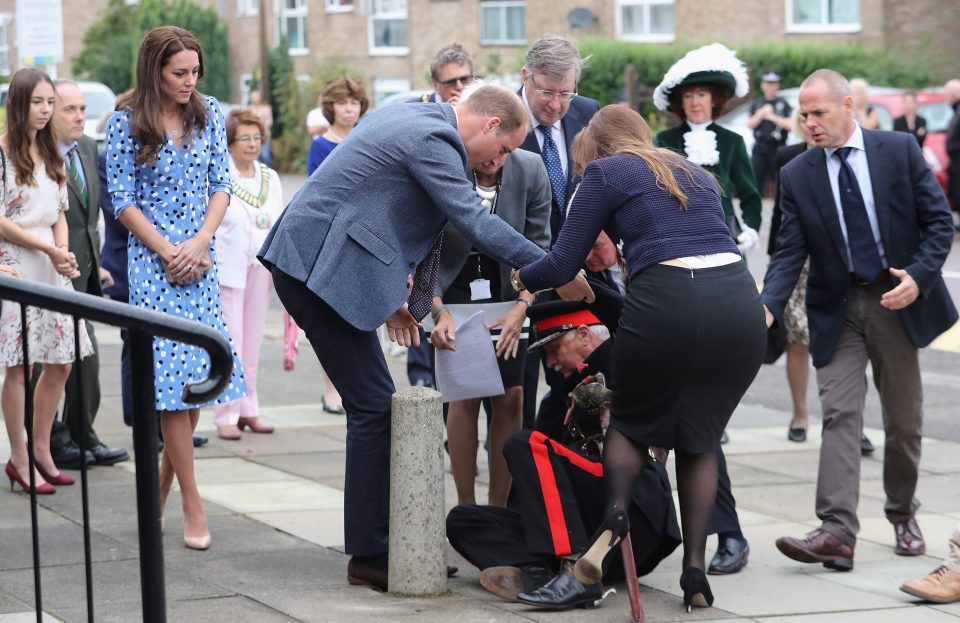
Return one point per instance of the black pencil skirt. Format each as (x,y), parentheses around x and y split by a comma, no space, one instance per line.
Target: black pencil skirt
(689,344)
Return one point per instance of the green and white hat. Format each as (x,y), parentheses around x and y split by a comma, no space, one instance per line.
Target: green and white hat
(710,64)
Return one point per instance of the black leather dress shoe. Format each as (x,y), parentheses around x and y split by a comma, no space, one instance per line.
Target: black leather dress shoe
(563,592)
(103,455)
(866,446)
(200,440)
(798,435)
(368,571)
(67,456)
(731,557)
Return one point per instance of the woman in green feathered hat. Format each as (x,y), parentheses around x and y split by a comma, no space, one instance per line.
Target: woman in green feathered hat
(696,88)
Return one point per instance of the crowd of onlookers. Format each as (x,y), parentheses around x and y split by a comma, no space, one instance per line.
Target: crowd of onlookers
(627,224)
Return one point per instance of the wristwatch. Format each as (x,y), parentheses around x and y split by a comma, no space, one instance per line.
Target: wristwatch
(515,280)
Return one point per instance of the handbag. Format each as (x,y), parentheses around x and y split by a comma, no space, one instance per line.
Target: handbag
(776,343)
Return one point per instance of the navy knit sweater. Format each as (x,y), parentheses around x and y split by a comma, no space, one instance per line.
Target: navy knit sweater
(620,195)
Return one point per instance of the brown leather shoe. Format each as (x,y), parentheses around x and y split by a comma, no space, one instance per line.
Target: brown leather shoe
(818,546)
(909,538)
(942,586)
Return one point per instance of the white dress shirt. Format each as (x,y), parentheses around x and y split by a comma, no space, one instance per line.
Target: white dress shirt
(861,168)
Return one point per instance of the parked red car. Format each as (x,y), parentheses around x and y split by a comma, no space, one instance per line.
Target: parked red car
(931,105)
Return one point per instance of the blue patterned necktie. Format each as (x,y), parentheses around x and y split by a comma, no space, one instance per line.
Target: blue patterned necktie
(551,158)
(73,167)
(863,246)
(424,281)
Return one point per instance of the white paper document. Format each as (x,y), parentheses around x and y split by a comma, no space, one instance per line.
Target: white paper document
(471,371)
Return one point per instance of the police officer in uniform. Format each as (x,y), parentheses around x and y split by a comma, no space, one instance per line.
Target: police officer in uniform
(770,121)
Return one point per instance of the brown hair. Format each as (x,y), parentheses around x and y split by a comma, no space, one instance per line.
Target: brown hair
(340,88)
(143,101)
(22,85)
(498,101)
(718,99)
(243,116)
(619,130)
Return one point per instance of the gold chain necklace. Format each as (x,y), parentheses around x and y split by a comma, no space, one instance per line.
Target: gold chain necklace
(248,197)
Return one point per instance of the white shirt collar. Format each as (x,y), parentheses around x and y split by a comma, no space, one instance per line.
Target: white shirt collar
(855,141)
(456,116)
(533,119)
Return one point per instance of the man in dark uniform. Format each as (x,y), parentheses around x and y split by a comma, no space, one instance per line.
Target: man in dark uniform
(770,121)
(558,501)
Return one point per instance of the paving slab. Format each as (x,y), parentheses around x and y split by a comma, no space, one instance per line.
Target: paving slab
(893,615)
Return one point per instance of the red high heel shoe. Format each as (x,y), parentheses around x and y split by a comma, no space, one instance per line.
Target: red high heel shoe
(59,479)
(254,424)
(12,473)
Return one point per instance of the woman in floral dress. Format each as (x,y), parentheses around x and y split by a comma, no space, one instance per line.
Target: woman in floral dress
(33,229)
(167,174)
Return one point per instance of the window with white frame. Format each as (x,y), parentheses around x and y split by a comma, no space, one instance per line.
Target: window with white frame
(246,8)
(339,6)
(5,20)
(823,15)
(292,24)
(387,27)
(645,20)
(503,22)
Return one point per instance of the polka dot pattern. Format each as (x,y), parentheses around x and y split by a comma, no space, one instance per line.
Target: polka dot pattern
(172,194)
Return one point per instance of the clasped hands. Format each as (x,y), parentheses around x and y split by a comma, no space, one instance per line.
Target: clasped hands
(187,261)
(64,261)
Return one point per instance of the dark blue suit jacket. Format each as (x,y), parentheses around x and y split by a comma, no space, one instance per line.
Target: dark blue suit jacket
(578,116)
(113,257)
(915,227)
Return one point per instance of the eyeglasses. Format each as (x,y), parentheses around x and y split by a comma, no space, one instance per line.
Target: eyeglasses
(452,82)
(249,138)
(547,95)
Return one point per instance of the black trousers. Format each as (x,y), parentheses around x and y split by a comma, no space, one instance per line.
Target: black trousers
(724,519)
(557,505)
(764,159)
(76,418)
(354,362)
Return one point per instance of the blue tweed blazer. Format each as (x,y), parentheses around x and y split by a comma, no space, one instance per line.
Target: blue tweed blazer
(371,212)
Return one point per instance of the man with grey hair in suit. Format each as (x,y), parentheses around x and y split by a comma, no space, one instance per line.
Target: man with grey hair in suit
(343,250)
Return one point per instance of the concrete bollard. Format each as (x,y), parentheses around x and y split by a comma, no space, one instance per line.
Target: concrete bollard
(417,519)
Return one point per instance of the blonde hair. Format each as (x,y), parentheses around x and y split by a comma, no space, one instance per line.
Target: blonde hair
(618,130)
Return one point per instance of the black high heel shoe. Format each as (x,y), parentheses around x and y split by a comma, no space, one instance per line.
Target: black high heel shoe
(696,589)
(589,568)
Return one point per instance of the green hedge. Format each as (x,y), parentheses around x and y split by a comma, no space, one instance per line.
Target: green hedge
(603,78)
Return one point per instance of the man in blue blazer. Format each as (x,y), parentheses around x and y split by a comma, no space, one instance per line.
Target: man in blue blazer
(869,214)
(551,73)
(342,252)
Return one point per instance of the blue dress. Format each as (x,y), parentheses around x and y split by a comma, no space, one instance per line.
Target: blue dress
(172,193)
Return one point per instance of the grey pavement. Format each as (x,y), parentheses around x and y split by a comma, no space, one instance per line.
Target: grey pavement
(275,508)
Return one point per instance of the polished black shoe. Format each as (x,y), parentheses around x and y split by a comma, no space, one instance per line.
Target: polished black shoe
(564,592)
(798,435)
(103,455)
(731,557)
(866,446)
(200,440)
(67,456)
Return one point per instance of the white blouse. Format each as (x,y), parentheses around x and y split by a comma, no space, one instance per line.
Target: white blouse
(245,225)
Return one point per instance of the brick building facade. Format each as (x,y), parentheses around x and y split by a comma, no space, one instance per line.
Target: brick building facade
(390,42)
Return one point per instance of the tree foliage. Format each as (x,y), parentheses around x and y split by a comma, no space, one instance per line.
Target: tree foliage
(111,43)
(603,78)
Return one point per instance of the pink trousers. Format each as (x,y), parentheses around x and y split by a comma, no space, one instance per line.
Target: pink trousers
(245,314)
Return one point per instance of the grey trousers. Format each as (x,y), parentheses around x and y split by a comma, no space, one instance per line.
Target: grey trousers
(876,335)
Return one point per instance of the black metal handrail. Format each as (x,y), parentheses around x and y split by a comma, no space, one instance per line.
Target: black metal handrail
(142,326)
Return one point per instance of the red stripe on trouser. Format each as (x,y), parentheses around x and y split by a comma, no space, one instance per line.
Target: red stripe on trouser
(551,495)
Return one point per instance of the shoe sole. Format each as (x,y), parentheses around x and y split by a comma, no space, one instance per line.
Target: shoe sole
(358,581)
(502,589)
(801,555)
(909,552)
(935,600)
(589,569)
(587,604)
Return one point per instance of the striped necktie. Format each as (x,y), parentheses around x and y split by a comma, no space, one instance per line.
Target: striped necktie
(73,166)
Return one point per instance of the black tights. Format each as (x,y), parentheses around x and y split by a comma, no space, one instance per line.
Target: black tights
(623,462)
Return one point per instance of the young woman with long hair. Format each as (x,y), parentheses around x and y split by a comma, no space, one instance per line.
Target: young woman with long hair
(33,229)
(170,184)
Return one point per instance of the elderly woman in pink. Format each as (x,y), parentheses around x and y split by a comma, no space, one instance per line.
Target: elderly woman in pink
(245,284)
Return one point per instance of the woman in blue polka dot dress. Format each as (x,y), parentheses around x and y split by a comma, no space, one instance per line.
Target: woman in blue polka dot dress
(167,174)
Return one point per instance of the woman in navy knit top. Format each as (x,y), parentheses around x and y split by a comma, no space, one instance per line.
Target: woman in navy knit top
(692,334)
